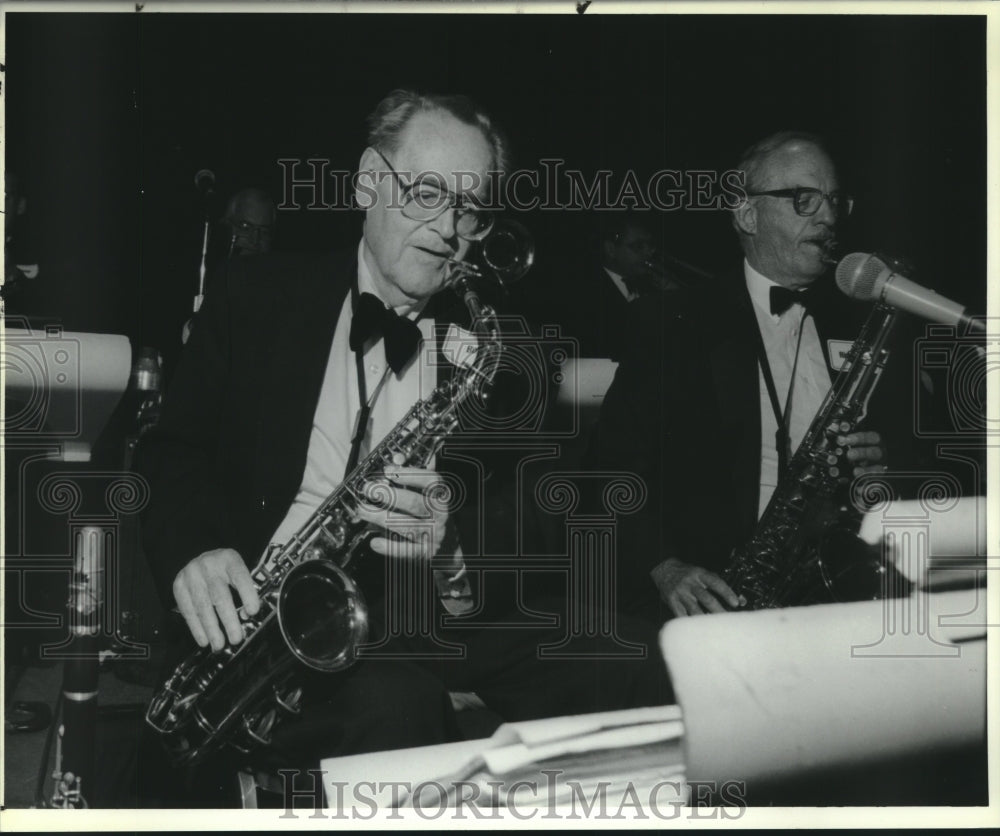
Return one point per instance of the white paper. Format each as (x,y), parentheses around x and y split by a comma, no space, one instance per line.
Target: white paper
(586,380)
(777,693)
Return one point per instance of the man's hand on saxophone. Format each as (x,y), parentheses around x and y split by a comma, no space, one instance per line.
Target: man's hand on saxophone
(692,590)
(203,591)
(865,450)
(410,510)
(411,507)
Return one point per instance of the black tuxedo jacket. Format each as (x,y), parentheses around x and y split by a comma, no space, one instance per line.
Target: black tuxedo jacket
(227,456)
(603,315)
(684,414)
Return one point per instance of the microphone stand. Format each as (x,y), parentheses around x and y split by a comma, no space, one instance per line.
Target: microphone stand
(202,268)
(200,297)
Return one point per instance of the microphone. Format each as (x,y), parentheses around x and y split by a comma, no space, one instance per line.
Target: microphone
(869,278)
(204,181)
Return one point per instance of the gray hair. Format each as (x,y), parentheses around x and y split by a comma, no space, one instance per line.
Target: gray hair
(755,158)
(390,117)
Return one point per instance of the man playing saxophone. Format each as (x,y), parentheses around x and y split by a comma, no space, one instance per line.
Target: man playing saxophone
(297,367)
(742,374)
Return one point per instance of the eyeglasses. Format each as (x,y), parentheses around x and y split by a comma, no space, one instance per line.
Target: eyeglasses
(251,231)
(424,201)
(807,200)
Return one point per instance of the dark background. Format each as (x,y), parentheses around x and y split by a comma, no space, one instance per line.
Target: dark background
(110,116)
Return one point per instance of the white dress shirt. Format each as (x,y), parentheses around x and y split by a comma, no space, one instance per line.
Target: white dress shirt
(619,282)
(780,335)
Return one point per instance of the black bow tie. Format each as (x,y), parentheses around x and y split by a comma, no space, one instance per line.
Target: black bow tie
(373,319)
(782,298)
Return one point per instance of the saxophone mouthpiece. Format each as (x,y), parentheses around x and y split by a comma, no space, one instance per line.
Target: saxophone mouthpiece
(829,255)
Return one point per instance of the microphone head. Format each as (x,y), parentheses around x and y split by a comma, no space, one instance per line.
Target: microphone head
(205,179)
(858,274)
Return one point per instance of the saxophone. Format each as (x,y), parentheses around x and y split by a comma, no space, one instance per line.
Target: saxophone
(312,612)
(783,560)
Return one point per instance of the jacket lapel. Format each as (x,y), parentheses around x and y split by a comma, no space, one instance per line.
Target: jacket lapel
(735,377)
(294,375)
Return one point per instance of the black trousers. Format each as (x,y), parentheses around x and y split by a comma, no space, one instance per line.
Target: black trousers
(398,696)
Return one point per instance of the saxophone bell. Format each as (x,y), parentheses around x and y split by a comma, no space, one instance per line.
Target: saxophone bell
(322,615)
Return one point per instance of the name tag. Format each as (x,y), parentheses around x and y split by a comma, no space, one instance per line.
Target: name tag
(459,346)
(838,350)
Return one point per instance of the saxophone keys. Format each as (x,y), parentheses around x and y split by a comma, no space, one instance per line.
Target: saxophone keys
(259,728)
(330,539)
(338,535)
(289,702)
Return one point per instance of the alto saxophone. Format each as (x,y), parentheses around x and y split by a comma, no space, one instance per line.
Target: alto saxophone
(312,612)
(783,559)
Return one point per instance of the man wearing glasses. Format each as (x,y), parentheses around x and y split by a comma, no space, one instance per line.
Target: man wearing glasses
(285,385)
(743,374)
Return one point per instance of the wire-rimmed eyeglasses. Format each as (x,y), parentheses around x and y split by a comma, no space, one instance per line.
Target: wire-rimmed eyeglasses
(424,200)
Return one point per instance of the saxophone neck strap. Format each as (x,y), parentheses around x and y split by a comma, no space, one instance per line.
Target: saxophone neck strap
(782,440)
(363,417)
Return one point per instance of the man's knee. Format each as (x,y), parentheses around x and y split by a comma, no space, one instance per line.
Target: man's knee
(378,705)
